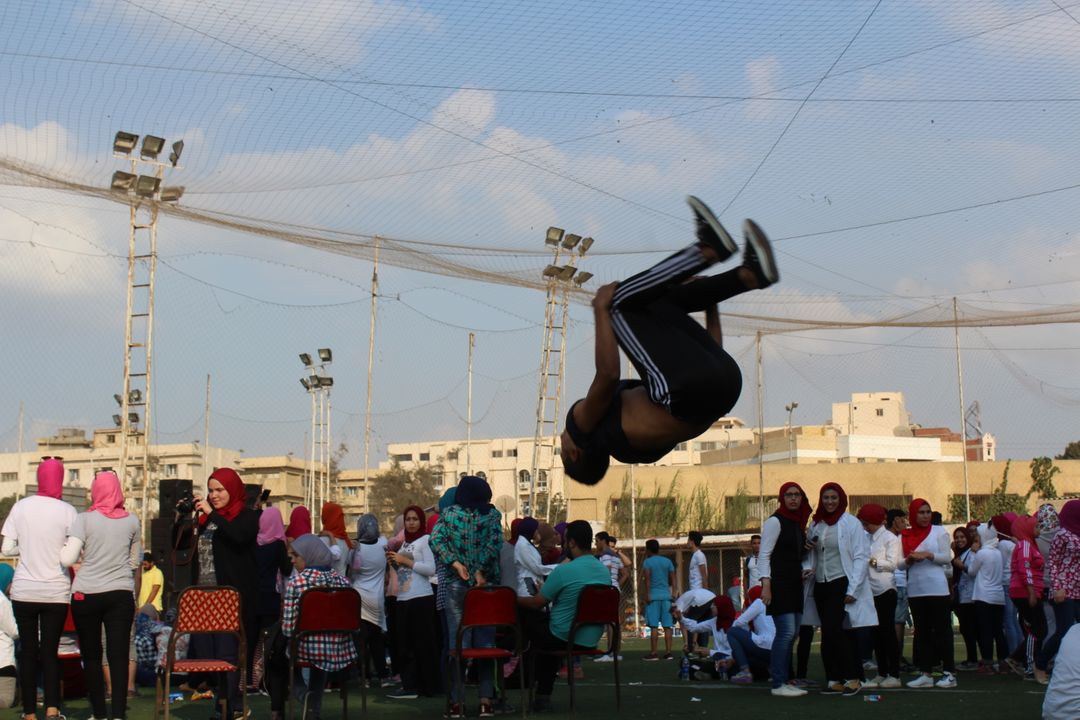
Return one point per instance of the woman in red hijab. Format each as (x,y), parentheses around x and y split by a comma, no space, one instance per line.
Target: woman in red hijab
(417,635)
(842,595)
(783,546)
(336,536)
(225,555)
(1026,591)
(299,523)
(927,552)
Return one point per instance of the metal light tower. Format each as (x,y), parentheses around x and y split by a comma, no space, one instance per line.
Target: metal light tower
(560,279)
(145,195)
(318,385)
(790,407)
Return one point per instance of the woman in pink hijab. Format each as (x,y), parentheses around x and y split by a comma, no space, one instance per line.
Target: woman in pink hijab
(1026,592)
(107,539)
(35,530)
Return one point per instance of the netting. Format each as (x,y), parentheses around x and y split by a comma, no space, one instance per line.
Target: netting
(900,155)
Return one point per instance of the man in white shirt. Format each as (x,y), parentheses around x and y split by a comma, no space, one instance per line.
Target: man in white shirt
(696,605)
(753,576)
(699,571)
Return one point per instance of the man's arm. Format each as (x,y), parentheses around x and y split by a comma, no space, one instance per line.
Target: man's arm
(589,412)
(671,582)
(623,575)
(533,602)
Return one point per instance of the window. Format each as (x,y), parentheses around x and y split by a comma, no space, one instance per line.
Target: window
(511,453)
(403,457)
(452,455)
(481,474)
(171,471)
(681,447)
(9,477)
(496,453)
(524,478)
(541,480)
(352,491)
(111,438)
(73,475)
(707,445)
(425,457)
(880,412)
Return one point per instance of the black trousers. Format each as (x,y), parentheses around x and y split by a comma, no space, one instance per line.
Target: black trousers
(684,368)
(226,685)
(802,652)
(418,645)
(885,646)
(839,648)
(933,632)
(40,654)
(115,610)
(1034,620)
(969,631)
(989,619)
(375,647)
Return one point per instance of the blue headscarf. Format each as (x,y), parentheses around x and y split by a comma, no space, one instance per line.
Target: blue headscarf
(448,498)
(473,493)
(6,574)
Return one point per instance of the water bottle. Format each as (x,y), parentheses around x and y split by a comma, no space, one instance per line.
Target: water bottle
(684,667)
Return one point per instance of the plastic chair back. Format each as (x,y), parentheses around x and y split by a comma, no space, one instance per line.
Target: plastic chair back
(329,610)
(598,605)
(490,605)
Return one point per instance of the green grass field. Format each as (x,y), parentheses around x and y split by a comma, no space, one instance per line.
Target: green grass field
(652,690)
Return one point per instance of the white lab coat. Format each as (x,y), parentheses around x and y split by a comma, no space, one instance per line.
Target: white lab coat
(854,545)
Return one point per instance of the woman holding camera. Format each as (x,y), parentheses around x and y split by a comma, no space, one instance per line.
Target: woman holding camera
(225,555)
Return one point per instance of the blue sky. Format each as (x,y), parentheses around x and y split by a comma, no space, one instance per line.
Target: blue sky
(899,153)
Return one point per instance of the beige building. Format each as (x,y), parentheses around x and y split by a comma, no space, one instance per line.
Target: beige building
(506,463)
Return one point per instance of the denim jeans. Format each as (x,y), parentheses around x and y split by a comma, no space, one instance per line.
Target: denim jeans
(479,638)
(745,652)
(1065,615)
(1013,634)
(787,625)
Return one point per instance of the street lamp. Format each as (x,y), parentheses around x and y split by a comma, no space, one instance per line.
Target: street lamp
(791,438)
(317,384)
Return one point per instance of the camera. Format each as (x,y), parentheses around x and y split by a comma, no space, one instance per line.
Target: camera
(186,504)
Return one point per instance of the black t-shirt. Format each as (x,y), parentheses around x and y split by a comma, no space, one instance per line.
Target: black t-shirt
(608,435)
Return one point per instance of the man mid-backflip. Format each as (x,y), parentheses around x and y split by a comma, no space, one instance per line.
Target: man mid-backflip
(688,381)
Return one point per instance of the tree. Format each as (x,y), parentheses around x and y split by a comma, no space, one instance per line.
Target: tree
(1043,471)
(1000,501)
(1072,452)
(396,488)
(737,514)
(5,507)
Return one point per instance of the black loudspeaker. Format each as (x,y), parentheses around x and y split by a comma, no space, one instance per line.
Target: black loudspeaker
(172,546)
(169,493)
(253,492)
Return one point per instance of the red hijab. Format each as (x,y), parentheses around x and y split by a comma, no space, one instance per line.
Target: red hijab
(410,537)
(50,478)
(1023,528)
(873,513)
(800,516)
(233,485)
(725,611)
(754,594)
(830,518)
(913,535)
(333,522)
(299,522)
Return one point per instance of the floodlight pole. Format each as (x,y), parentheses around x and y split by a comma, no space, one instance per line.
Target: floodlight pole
(761,431)
(370,368)
(468,411)
(963,419)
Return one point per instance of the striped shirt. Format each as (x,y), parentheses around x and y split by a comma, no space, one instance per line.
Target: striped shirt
(327,651)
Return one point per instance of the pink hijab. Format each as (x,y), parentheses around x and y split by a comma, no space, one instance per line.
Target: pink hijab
(271,526)
(106,496)
(50,478)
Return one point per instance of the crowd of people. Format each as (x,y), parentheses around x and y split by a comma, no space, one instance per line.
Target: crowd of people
(1012,582)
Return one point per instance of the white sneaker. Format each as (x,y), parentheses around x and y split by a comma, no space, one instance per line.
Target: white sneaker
(606,658)
(948,680)
(869,666)
(874,682)
(923,681)
(890,682)
(786,690)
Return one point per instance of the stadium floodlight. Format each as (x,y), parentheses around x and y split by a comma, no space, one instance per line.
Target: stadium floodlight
(582,278)
(326,382)
(122,181)
(552,271)
(152,145)
(570,240)
(147,186)
(313,381)
(325,355)
(554,235)
(567,272)
(119,400)
(585,245)
(124,142)
(306,359)
(172,193)
(133,418)
(305,383)
(117,420)
(177,151)
(135,396)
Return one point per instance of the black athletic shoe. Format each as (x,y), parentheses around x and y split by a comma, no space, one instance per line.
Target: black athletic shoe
(758,255)
(710,231)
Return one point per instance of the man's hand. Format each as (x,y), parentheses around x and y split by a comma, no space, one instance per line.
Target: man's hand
(766,591)
(848,599)
(605,296)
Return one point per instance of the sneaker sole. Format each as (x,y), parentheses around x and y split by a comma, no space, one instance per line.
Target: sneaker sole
(702,210)
(757,239)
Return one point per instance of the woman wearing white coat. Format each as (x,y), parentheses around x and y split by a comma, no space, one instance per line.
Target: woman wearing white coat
(841,561)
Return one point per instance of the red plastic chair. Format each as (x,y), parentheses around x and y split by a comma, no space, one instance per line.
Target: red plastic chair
(327,611)
(207,610)
(486,606)
(597,605)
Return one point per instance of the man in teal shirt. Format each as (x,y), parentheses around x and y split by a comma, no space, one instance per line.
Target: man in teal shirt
(561,589)
(659,579)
